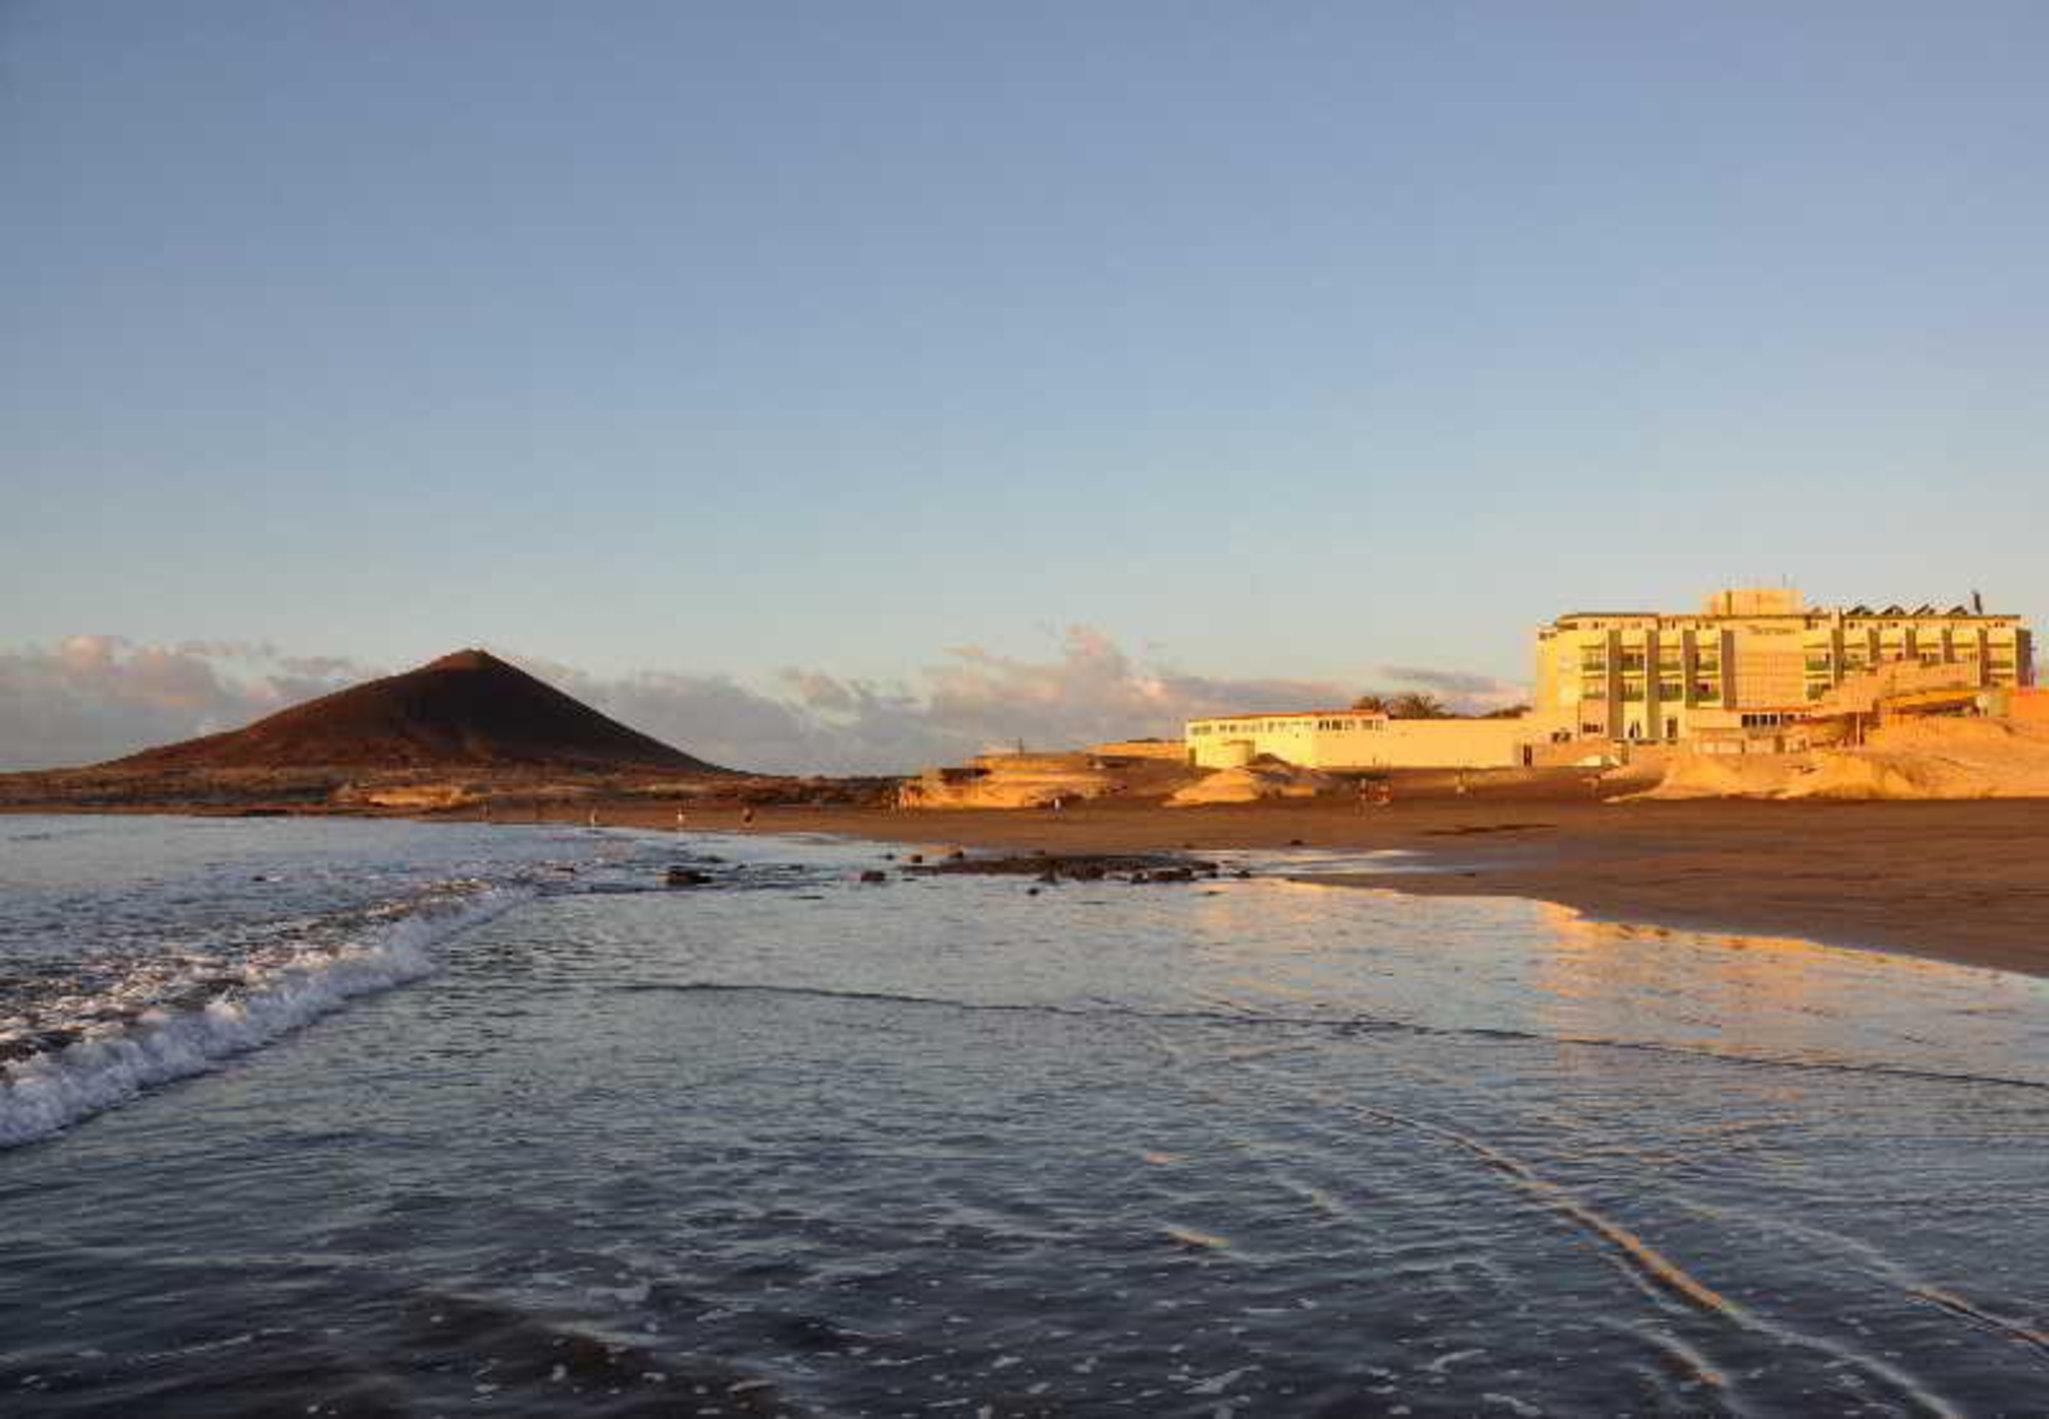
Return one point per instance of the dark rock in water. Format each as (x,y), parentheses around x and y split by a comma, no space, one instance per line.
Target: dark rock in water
(687,877)
(915,857)
(889,857)
(874,875)
(809,1332)
(1295,842)
(1085,867)
(957,856)
(1174,874)
(1031,891)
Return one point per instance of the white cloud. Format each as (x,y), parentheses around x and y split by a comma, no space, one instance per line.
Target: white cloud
(92,697)
(1462,689)
(96,697)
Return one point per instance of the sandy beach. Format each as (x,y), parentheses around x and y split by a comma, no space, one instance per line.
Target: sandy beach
(1966,882)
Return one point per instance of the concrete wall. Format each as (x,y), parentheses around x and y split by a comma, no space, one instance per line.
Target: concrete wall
(1173,749)
(2028,706)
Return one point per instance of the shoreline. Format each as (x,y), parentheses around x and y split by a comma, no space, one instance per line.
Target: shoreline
(1960,881)
(1965,883)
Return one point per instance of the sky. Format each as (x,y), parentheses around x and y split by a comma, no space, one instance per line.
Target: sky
(862,379)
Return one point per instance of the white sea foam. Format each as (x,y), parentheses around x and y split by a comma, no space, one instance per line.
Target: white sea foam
(276,991)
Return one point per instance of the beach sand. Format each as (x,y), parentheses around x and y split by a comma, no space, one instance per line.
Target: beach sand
(1966,882)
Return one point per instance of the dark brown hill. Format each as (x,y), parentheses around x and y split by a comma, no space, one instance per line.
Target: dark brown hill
(467,710)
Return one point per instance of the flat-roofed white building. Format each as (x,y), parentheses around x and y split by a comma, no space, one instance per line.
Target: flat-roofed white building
(1354,740)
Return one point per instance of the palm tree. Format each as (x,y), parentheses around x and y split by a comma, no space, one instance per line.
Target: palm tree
(1371,704)
(1417,704)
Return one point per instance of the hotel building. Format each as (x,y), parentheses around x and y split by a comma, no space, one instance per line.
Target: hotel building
(1753,658)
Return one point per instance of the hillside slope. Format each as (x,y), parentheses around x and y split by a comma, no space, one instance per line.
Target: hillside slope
(466,710)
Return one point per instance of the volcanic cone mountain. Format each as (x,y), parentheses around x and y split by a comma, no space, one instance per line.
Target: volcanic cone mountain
(467,710)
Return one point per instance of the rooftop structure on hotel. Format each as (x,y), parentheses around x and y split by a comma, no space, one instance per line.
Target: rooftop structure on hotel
(1756,657)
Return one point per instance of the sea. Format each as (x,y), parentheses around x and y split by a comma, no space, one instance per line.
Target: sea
(359,1118)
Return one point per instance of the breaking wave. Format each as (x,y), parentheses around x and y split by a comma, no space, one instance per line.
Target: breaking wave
(163,1019)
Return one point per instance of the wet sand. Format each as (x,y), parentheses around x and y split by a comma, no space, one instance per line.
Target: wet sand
(1966,882)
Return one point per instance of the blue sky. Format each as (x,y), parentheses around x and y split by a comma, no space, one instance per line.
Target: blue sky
(1272,342)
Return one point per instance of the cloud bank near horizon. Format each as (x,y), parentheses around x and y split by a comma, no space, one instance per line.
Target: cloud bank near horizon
(95,697)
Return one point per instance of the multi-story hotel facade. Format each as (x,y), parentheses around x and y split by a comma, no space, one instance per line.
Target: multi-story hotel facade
(1754,658)
(1734,674)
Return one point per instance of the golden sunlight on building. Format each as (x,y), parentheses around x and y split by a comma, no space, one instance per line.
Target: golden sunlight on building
(1756,657)
(1358,739)
(1740,673)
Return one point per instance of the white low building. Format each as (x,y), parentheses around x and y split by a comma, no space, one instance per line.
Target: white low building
(1342,740)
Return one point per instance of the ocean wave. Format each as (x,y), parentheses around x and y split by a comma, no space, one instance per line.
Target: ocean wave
(129,1040)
